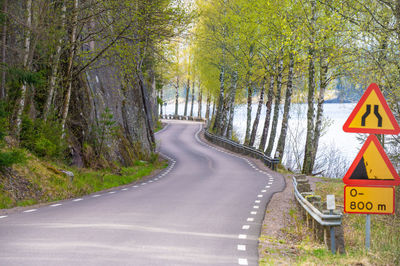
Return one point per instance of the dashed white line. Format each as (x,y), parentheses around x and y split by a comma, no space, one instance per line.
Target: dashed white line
(253,213)
(135,186)
(243,261)
(77,199)
(269,183)
(144,184)
(241,247)
(31,210)
(259,196)
(150,181)
(4,216)
(257,201)
(56,205)
(250,219)
(267,186)
(111,192)
(246,227)
(241,236)
(263,191)
(124,189)
(256,207)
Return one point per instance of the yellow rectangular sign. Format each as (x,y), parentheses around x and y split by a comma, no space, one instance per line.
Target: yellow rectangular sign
(369,200)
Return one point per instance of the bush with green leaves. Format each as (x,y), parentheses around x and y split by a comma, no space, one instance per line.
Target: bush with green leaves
(43,138)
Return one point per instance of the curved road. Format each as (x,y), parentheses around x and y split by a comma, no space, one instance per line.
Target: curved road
(206,208)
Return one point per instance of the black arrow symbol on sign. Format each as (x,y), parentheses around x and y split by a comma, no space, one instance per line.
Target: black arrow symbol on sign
(376,113)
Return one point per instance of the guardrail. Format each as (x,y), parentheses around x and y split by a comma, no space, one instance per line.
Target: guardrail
(332,221)
(243,149)
(181,117)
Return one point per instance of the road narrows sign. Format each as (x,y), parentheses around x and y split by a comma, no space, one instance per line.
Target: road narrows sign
(369,200)
(372,115)
(372,166)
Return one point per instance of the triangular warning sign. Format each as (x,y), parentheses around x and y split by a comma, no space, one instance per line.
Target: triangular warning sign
(372,166)
(372,115)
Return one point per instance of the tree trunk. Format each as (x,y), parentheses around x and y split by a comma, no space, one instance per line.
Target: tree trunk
(320,110)
(187,97)
(248,113)
(208,106)
(54,70)
(274,127)
(177,96)
(229,129)
(286,110)
(218,118)
(308,151)
(257,118)
(27,44)
(3,92)
(213,109)
(268,106)
(200,102)
(67,98)
(191,107)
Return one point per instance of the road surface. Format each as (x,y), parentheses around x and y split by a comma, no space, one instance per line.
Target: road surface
(206,208)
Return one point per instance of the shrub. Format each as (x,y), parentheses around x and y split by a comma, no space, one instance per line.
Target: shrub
(7,159)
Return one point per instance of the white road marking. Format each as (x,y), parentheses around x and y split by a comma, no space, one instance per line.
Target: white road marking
(124,189)
(269,183)
(250,219)
(150,181)
(95,196)
(111,192)
(135,186)
(257,201)
(243,261)
(256,207)
(4,216)
(263,191)
(241,247)
(55,205)
(242,236)
(77,199)
(246,227)
(144,184)
(31,210)
(267,186)
(259,196)
(253,213)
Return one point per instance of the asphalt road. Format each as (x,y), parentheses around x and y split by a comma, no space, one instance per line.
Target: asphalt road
(205,209)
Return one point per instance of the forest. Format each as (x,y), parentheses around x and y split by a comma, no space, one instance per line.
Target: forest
(272,54)
(84,81)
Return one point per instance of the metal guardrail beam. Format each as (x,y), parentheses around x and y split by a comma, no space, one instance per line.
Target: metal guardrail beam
(227,143)
(322,219)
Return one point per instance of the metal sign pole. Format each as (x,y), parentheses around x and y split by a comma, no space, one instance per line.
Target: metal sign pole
(368,231)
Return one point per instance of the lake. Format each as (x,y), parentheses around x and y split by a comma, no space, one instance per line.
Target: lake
(336,151)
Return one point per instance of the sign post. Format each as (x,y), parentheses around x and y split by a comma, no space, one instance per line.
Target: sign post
(371,177)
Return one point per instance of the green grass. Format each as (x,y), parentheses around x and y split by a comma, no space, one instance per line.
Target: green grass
(53,185)
(385,238)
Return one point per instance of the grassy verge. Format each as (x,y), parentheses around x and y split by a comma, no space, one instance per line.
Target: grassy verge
(294,245)
(39,181)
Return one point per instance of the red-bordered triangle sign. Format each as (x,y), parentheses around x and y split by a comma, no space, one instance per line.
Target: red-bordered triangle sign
(372,115)
(372,166)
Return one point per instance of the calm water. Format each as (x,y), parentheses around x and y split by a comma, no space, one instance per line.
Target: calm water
(336,146)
